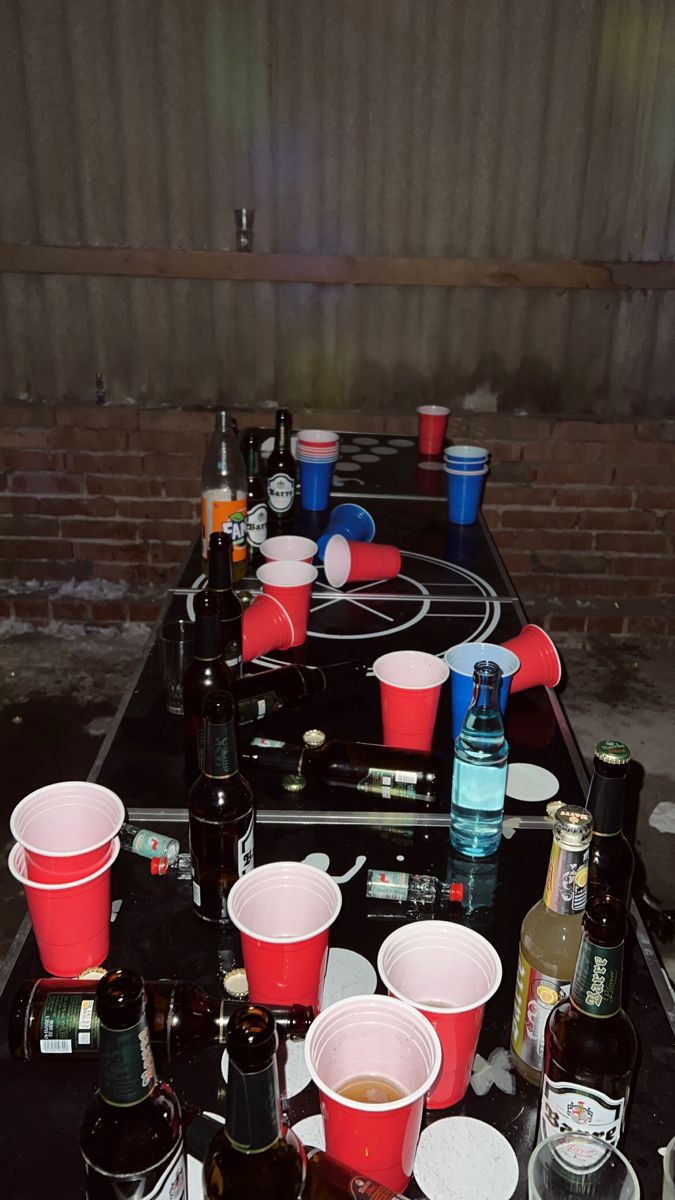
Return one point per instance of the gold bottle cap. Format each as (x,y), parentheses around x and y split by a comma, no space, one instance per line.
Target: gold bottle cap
(614,753)
(294,783)
(235,984)
(314,739)
(552,807)
(573,826)
(93,973)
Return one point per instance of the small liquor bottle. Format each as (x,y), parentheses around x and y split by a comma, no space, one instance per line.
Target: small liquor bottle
(610,863)
(208,672)
(479,769)
(591,1046)
(549,940)
(224,492)
(221,815)
(229,605)
(132,1135)
(424,891)
(147,843)
(266,692)
(281,471)
(256,521)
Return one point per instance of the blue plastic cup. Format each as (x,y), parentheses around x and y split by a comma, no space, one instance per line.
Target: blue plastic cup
(353,522)
(465,489)
(461,660)
(315,484)
(463,455)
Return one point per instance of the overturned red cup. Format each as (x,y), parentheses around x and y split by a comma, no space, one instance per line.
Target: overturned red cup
(291,584)
(265,626)
(349,562)
(539,659)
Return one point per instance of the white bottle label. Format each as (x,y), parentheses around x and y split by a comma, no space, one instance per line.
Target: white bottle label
(245,851)
(280,492)
(256,524)
(196,894)
(566,1105)
(172,1185)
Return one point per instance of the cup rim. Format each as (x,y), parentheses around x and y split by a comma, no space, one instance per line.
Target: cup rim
(310,573)
(18,849)
(284,939)
(60,786)
(317,437)
(337,544)
(309,550)
(515,661)
(362,513)
(379,1001)
(433,410)
(469,935)
(464,451)
(551,646)
(585,1136)
(378,669)
(468,474)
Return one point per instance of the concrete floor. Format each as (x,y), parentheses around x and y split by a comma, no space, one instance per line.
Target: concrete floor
(58,693)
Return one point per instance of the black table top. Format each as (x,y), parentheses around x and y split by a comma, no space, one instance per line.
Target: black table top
(157,934)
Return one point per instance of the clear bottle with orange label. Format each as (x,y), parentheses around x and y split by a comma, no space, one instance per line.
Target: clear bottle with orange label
(224,493)
(549,940)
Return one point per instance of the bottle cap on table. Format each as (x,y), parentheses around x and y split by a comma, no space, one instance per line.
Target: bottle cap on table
(235,984)
(314,739)
(294,783)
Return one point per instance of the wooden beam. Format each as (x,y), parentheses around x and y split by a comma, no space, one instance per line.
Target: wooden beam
(335,269)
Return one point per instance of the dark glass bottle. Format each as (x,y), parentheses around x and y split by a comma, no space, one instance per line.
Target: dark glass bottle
(220,814)
(56,1017)
(252,1157)
(208,672)
(132,1136)
(256,521)
(611,862)
(267,692)
(591,1047)
(281,471)
(229,604)
(386,771)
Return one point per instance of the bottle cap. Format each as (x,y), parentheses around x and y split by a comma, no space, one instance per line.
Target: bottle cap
(614,753)
(456,892)
(159,866)
(314,739)
(294,783)
(235,984)
(573,827)
(553,806)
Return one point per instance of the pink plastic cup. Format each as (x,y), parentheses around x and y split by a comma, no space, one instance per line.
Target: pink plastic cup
(539,659)
(291,584)
(288,548)
(449,973)
(265,625)
(379,1038)
(66,829)
(348,562)
(317,440)
(284,912)
(432,422)
(410,687)
(71,921)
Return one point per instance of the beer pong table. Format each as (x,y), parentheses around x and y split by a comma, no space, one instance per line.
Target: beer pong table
(453,587)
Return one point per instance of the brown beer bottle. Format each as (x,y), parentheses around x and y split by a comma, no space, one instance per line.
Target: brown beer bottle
(252,1157)
(256,522)
(208,672)
(132,1135)
(281,471)
(57,1018)
(590,1046)
(229,605)
(610,862)
(220,814)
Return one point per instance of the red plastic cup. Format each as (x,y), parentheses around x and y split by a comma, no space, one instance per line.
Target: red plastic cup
(291,584)
(379,1038)
(284,912)
(410,687)
(348,562)
(539,659)
(71,921)
(66,829)
(432,423)
(288,548)
(448,973)
(265,625)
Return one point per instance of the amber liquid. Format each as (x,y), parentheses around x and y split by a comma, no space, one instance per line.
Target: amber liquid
(370,1089)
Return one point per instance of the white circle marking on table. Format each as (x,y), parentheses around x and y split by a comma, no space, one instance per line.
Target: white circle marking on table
(347,466)
(347,974)
(383,451)
(349,448)
(366,458)
(430,466)
(460,1158)
(195,1189)
(365,441)
(528,782)
(310,1131)
(401,442)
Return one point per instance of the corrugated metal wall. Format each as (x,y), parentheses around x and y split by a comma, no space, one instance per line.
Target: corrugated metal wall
(482,128)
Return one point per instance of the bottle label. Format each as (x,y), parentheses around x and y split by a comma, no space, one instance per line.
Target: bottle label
(165,1180)
(536,994)
(280,492)
(149,844)
(268,742)
(256,524)
(127,1065)
(388,885)
(596,989)
(233,657)
(567,880)
(392,785)
(222,514)
(566,1105)
(245,850)
(253,708)
(221,752)
(69,1023)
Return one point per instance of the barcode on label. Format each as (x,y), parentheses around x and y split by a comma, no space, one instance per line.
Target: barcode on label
(56,1046)
(406,776)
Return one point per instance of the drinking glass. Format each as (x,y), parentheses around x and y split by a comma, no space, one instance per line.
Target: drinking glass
(575,1164)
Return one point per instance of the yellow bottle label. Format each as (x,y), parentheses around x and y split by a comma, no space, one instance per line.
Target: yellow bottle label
(536,994)
(221,514)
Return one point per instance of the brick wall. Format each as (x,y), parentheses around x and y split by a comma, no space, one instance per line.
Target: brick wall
(98,506)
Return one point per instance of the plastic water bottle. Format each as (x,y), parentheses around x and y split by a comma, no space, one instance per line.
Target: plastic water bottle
(479,771)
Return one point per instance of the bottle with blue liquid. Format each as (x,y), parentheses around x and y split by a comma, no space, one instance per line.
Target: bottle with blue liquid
(479,770)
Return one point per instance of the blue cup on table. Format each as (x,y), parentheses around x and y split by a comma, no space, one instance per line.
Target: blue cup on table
(315,484)
(465,491)
(465,458)
(352,521)
(461,660)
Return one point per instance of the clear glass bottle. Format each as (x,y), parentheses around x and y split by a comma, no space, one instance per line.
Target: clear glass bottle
(224,493)
(424,891)
(147,843)
(479,769)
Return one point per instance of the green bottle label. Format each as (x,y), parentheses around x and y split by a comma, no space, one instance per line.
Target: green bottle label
(69,1024)
(596,989)
(127,1065)
(567,880)
(395,785)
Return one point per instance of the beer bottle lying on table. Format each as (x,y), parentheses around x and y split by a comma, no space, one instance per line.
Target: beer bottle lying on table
(591,1046)
(266,692)
(132,1135)
(208,672)
(549,940)
(229,605)
(610,862)
(57,1018)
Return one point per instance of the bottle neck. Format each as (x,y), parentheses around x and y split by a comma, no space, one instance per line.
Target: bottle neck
(127,1066)
(281,436)
(220,749)
(220,570)
(252,461)
(606,800)
(253,1109)
(207,636)
(596,987)
(567,879)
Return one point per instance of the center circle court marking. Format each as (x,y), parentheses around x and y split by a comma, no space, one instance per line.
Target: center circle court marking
(460,1158)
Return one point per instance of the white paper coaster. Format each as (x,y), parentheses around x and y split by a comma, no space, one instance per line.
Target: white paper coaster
(460,1158)
(383,451)
(431,466)
(348,448)
(195,1190)
(310,1131)
(361,458)
(347,466)
(401,442)
(347,974)
(526,781)
(365,441)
